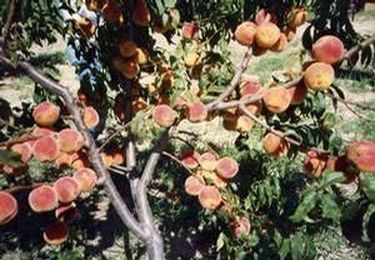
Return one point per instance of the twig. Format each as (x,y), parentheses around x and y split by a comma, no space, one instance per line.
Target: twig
(357,48)
(24,187)
(113,135)
(236,78)
(348,102)
(174,158)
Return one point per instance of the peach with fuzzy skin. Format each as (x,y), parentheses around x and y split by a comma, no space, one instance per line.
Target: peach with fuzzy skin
(298,93)
(64,159)
(277,99)
(193,185)
(46,114)
(328,49)
(260,16)
(128,68)
(290,33)
(139,104)
(230,114)
(197,112)
(362,155)
(43,199)
(280,45)
(42,131)
(315,163)
(190,30)
(56,233)
(241,227)
(24,150)
(95,5)
(192,59)
(190,159)
(46,149)
(227,167)
(66,213)
(8,207)
(250,86)
(67,189)
(118,157)
(254,108)
(319,76)
(209,197)
(80,160)
(267,35)
(70,140)
(141,14)
(107,159)
(112,12)
(127,48)
(297,17)
(208,161)
(245,33)
(275,145)
(86,178)
(244,124)
(212,178)
(164,115)
(90,117)
(141,56)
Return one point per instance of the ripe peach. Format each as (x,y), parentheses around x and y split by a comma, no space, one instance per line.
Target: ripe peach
(107,159)
(85,27)
(56,234)
(139,104)
(241,227)
(8,207)
(14,171)
(193,185)
(190,30)
(319,76)
(127,48)
(70,140)
(190,159)
(290,33)
(212,178)
(315,163)
(267,35)
(128,68)
(298,93)
(275,145)
(43,198)
(227,167)
(277,99)
(192,59)
(42,131)
(209,197)
(112,12)
(258,51)
(95,5)
(245,33)
(141,56)
(362,155)
(328,49)
(67,189)
(46,114)
(86,178)
(254,108)
(197,112)
(280,45)
(208,161)
(23,149)
(141,14)
(249,86)
(117,157)
(297,17)
(90,117)
(46,149)
(164,115)
(244,124)
(260,16)
(80,160)
(230,114)
(64,159)
(66,213)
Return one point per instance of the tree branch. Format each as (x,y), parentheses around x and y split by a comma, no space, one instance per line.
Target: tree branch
(93,152)
(236,78)
(357,48)
(8,22)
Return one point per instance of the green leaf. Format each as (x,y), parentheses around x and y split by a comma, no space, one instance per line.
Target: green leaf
(10,158)
(285,249)
(368,186)
(366,219)
(330,208)
(308,203)
(296,247)
(220,242)
(330,178)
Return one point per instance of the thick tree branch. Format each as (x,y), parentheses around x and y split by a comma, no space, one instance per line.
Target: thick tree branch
(8,22)
(93,152)
(357,48)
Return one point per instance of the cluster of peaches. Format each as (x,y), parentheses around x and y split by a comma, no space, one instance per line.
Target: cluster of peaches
(209,177)
(65,148)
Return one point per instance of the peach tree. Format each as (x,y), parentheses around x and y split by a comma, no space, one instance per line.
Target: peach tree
(153,72)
